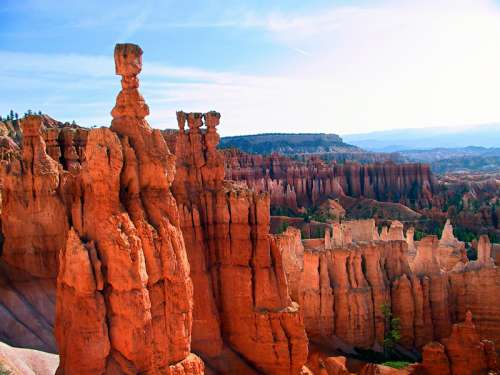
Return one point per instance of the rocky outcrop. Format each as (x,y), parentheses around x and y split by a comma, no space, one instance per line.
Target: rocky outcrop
(451,250)
(34,225)
(94,208)
(124,267)
(16,361)
(463,353)
(344,286)
(295,184)
(241,296)
(34,221)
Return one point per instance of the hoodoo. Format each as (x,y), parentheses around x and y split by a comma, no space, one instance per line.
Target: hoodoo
(242,302)
(134,286)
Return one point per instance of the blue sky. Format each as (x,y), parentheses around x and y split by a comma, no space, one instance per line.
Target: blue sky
(287,66)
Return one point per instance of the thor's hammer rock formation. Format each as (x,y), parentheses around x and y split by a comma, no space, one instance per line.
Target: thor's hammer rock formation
(124,296)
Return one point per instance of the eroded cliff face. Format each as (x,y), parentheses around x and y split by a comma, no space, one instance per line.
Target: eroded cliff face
(94,208)
(113,225)
(124,284)
(242,301)
(342,285)
(295,184)
(34,226)
(463,353)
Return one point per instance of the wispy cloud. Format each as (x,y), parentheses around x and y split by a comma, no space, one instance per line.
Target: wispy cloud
(360,68)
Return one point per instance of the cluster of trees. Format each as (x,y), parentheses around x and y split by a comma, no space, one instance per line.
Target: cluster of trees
(15,116)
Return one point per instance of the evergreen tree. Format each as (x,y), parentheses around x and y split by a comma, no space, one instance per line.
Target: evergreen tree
(392,332)
(16,115)
(11,114)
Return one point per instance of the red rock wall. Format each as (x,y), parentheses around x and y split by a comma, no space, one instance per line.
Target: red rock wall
(342,291)
(463,353)
(102,218)
(34,226)
(293,184)
(240,291)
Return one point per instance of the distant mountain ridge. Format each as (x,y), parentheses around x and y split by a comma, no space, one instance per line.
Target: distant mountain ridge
(289,143)
(485,135)
(466,159)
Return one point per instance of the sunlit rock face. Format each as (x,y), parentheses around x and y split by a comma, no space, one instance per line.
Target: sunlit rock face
(88,219)
(342,287)
(34,226)
(144,258)
(127,249)
(242,302)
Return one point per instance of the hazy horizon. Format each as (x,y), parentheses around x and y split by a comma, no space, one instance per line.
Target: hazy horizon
(343,67)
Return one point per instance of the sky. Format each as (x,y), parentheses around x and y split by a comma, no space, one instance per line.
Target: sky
(268,66)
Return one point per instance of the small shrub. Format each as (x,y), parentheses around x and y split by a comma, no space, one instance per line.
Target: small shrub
(396,364)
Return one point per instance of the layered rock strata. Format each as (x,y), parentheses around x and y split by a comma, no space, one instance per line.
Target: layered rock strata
(95,210)
(342,287)
(463,353)
(241,296)
(295,184)
(34,226)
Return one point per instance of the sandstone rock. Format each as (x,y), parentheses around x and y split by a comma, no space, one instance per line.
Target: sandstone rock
(396,231)
(293,183)
(435,361)
(34,222)
(240,290)
(451,251)
(124,283)
(463,353)
(16,361)
(361,230)
(33,215)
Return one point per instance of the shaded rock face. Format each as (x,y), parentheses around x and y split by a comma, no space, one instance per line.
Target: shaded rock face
(463,353)
(241,296)
(295,184)
(34,225)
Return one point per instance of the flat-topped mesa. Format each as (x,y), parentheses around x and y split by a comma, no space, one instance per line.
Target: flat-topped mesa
(129,102)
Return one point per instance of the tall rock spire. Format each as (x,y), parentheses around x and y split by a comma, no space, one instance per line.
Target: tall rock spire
(130,105)
(137,312)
